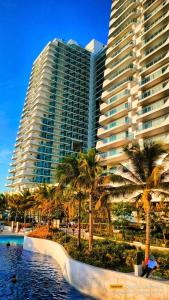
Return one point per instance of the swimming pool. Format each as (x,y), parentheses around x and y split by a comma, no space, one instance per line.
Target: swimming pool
(38,276)
(12,239)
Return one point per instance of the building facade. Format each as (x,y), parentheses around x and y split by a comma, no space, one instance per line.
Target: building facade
(98,57)
(135,99)
(55,120)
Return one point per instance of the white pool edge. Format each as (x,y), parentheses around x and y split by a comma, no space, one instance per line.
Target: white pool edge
(99,283)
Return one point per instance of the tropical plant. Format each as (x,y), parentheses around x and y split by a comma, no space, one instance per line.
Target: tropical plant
(161,218)
(121,213)
(3,202)
(104,203)
(142,178)
(47,201)
(91,176)
(26,201)
(14,204)
(20,203)
(68,176)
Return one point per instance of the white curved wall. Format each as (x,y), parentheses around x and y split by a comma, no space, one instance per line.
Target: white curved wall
(99,283)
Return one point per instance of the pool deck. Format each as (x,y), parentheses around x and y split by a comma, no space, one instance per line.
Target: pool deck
(6,232)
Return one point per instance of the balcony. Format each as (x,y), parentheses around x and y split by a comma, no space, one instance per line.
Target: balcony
(155,12)
(155,77)
(33,136)
(121,85)
(23,173)
(123,50)
(155,49)
(126,59)
(155,63)
(114,101)
(159,91)
(111,157)
(160,139)
(116,13)
(115,31)
(114,141)
(120,3)
(147,5)
(10,178)
(156,35)
(119,43)
(154,110)
(155,24)
(114,127)
(120,74)
(129,26)
(122,58)
(114,114)
(12,171)
(153,127)
(123,15)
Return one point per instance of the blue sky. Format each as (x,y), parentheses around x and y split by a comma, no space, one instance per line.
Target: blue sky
(26,26)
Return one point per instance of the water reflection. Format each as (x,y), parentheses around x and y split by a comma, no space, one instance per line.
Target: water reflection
(38,277)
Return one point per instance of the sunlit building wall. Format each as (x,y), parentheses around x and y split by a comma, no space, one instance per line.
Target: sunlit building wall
(55,119)
(135,98)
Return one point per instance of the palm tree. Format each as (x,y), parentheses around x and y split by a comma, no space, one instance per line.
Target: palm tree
(104,202)
(20,202)
(27,201)
(142,179)
(46,200)
(15,204)
(3,202)
(161,217)
(68,176)
(91,176)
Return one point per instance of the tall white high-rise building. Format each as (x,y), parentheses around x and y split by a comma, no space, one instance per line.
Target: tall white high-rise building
(135,99)
(58,117)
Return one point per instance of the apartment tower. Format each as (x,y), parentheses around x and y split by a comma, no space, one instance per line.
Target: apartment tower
(135,98)
(55,120)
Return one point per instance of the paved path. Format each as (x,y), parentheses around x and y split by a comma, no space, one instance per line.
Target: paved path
(85,236)
(7,232)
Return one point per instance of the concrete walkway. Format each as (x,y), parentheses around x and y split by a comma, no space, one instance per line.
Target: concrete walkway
(7,232)
(85,236)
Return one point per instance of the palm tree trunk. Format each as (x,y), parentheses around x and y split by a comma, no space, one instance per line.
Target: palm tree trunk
(163,233)
(109,220)
(148,221)
(24,217)
(79,225)
(16,216)
(90,223)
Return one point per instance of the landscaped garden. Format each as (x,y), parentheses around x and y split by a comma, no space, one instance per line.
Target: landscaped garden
(128,203)
(105,253)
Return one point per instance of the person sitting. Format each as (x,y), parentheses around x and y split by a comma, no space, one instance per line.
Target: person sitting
(14,280)
(150,266)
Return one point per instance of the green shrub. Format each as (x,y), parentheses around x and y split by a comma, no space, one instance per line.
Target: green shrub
(108,254)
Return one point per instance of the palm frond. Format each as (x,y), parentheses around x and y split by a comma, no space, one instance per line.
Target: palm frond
(161,193)
(136,156)
(102,201)
(151,153)
(163,186)
(115,178)
(164,174)
(132,176)
(155,177)
(125,190)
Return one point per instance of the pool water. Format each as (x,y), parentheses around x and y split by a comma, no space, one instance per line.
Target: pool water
(13,239)
(38,276)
